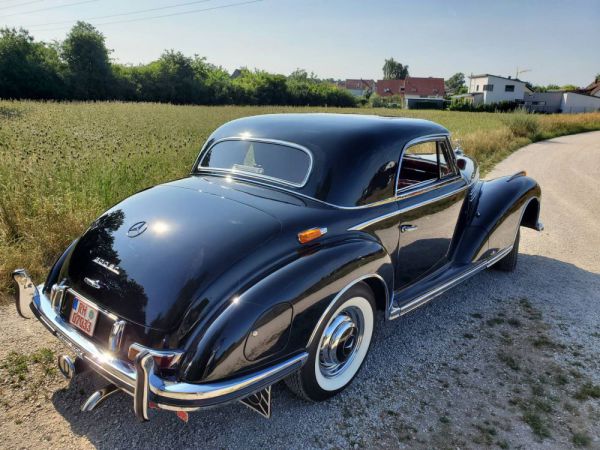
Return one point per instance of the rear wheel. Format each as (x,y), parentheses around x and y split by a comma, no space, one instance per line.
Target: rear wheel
(509,262)
(339,347)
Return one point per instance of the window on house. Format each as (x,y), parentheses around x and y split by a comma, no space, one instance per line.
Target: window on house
(488,87)
(509,88)
(477,87)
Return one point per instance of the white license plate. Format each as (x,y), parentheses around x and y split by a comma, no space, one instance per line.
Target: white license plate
(83,316)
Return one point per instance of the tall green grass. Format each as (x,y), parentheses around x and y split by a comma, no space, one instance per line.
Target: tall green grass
(62,164)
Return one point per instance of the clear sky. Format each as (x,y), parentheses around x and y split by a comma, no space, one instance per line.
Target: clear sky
(558,41)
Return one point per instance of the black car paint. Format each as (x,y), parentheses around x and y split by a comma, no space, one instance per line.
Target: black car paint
(263,271)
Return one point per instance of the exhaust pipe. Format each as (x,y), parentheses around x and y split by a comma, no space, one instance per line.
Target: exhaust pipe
(98,397)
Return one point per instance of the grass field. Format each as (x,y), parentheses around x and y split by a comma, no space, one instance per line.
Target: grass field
(62,164)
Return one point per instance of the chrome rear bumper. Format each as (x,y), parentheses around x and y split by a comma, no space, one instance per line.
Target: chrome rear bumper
(140,379)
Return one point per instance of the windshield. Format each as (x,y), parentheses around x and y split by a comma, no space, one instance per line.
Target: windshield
(276,161)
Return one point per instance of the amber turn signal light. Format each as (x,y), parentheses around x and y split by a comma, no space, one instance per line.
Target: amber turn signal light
(311,234)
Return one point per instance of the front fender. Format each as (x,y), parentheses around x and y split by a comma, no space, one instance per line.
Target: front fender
(277,316)
(500,207)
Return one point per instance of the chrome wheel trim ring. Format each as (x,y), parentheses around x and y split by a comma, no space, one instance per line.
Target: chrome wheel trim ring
(344,343)
(340,342)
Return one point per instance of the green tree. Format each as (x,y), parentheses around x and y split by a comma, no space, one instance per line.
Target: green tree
(456,84)
(393,70)
(89,69)
(28,69)
(569,87)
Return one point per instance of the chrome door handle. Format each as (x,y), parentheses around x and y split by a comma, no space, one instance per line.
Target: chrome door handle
(405,228)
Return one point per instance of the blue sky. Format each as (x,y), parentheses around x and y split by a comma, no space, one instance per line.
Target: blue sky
(556,40)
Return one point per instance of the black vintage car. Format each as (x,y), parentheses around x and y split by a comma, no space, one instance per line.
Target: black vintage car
(270,260)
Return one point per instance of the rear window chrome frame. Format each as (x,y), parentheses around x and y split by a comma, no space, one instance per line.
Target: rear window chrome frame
(198,166)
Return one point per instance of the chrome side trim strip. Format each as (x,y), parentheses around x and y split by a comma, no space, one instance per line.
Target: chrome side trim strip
(396,312)
(200,170)
(339,294)
(255,175)
(363,225)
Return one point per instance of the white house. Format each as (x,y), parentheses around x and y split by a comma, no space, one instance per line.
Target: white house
(489,89)
(561,101)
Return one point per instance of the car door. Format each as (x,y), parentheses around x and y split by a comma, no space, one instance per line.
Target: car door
(430,194)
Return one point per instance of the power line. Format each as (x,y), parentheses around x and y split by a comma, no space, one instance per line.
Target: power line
(48,8)
(21,4)
(121,14)
(192,11)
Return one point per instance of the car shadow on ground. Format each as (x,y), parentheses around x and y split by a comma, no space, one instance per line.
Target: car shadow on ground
(400,347)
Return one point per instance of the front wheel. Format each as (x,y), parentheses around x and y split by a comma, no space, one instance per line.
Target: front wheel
(339,347)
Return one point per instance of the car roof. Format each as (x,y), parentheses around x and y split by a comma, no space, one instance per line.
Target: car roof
(353,155)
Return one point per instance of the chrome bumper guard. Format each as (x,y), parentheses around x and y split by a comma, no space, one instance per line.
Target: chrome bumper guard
(140,379)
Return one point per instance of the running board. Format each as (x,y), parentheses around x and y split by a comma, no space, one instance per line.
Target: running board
(396,312)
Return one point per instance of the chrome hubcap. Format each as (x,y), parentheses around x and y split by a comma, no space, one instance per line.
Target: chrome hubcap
(341,341)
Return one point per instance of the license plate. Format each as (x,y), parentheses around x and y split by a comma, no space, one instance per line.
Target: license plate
(83,316)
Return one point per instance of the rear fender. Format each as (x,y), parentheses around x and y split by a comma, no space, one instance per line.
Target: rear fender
(276,317)
(501,206)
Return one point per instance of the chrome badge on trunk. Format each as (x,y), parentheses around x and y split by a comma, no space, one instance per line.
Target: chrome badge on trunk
(108,266)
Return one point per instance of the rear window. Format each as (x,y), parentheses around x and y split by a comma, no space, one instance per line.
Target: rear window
(275,161)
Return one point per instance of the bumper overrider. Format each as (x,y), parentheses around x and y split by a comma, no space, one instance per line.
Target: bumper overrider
(140,378)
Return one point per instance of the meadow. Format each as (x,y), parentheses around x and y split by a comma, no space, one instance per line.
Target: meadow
(62,164)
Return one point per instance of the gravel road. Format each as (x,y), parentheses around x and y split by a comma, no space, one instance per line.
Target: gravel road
(503,360)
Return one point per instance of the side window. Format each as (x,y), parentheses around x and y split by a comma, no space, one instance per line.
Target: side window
(427,161)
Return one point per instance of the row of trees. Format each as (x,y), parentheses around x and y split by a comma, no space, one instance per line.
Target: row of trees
(79,68)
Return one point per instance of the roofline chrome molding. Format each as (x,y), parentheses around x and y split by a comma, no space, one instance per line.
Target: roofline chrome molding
(197,169)
(342,292)
(166,394)
(204,152)
(394,312)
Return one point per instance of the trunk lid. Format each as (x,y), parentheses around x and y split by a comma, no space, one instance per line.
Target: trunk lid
(153,254)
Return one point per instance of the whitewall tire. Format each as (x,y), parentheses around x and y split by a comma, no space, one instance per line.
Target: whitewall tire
(339,346)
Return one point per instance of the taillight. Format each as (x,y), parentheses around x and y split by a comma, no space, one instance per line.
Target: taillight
(164,359)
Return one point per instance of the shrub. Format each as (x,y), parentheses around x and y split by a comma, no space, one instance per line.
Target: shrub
(393,101)
(522,124)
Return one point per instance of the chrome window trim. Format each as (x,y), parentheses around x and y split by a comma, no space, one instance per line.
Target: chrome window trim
(197,170)
(421,140)
(198,166)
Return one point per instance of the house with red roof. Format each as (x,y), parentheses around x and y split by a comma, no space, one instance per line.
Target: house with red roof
(415,92)
(358,87)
